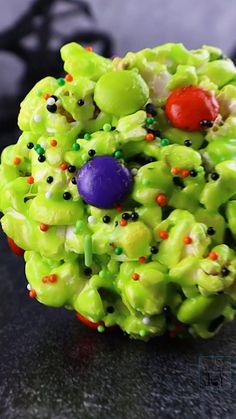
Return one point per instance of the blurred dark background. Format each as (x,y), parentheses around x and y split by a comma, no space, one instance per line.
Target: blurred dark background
(51,366)
(32,31)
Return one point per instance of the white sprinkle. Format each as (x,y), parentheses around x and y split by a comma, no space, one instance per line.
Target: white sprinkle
(51,101)
(91,219)
(134,171)
(146,320)
(29,287)
(37,118)
(48,195)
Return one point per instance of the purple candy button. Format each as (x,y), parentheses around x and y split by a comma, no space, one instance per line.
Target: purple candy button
(103,182)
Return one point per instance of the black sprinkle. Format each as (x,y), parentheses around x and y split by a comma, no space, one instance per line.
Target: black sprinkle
(30,145)
(49,179)
(215,176)
(225,271)
(193,173)
(66,195)
(80,102)
(106,219)
(188,143)
(91,153)
(71,169)
(154,250)
(134,216)
(73,180)
(54,97)
(211,231)
(205,123)
(150,108)
(125,216)
(41,158)
(52,108)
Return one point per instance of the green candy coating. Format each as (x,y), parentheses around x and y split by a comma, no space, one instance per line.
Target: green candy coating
(167,253)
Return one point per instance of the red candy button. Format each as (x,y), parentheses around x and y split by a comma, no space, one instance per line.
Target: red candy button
(187,108)
(13,246)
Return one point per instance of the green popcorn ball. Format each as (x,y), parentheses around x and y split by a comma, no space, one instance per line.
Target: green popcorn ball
(160,258)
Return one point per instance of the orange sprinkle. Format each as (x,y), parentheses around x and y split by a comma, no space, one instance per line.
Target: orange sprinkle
(46,96)
(17,160)
(188,240)
(68,77)
(52,278)
(45,279)
(53,142)
(89,49)
(161,199)
(30,180)
(185,173)
(213,255)
(175,170)
(142,259)
(163,235)
(119,208)
(43,227)
(123,222)
(32,294)
(135,276)
(149,137)
(64,166)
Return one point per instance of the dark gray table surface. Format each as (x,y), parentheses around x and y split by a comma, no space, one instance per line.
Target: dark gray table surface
(52,366)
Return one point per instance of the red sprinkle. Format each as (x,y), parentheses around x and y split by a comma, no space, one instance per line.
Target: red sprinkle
(213,255)
(123,222)
(89,49)
(68,77)
(175,170)
(32,294)
(163,235)
(64,166)
(43,227)
(135,276)
(149,137)
(30,180)
(45,279)
(188,240)
(185,173)
(161,199)
(142,259)
(52,278)
(53,142)
(17,160)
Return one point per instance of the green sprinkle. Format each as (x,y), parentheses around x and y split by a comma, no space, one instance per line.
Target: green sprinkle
(118,154)
(118,250)
(75,146)
(164,142)
(142,333)
(149,120)
(106,127)
(87,136)
(101,328)
(88,250)
(36,146)
(40,150)
(60,81)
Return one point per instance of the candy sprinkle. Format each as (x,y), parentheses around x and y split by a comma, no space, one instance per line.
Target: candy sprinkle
(213,255)
(187,240)
(87,136)
(142,259)
(118,251)
(164,142)
(52,278)
(64,166)
(161,199)
(123,222)
(149,137)
(30,180)
(163,235)
(60,81)
(53,142)
(32,294)
(135,276)
(75,147)
(17,161)
(43,227)
(175,171)
(68,77)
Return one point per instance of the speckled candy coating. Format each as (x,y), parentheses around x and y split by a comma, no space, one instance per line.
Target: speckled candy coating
(150,255)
